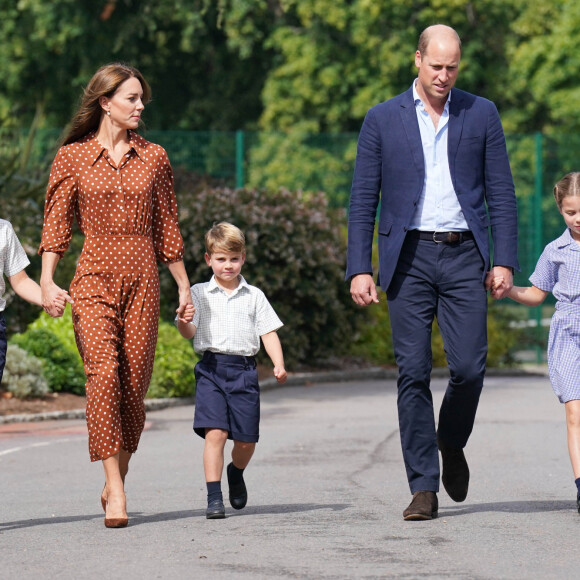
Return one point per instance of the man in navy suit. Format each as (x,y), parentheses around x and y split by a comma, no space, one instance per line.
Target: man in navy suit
(436,158)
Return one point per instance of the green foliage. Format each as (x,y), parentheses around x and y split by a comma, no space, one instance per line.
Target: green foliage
(544,67)
(23,376)
(62,367)
(175,360)
(304,162)
(374,341)
(295,254)
(21,194)
(49,50)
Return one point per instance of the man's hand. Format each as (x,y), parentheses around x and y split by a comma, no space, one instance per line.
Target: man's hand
(363,290)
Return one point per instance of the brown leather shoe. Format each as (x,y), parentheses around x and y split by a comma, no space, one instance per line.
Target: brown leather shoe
(455,475)
(424,506)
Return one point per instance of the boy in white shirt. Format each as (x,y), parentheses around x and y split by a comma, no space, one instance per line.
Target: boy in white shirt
(13,260)
(229,319)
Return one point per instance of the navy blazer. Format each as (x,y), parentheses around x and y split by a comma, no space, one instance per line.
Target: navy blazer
(390,167)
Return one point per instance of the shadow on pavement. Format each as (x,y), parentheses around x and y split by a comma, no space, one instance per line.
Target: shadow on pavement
(136,519)
(517,507)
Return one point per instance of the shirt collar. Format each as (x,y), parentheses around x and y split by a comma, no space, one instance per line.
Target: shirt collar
(95,149)
(214,287)
(566,239)
(417,99)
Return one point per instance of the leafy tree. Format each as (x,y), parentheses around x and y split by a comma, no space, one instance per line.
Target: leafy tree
(544,67)
(49,50)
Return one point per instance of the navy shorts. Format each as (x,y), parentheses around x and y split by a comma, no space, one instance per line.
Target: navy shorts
(3,345)
(227,396)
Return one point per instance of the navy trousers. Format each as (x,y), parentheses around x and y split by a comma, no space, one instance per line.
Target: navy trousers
(442,281)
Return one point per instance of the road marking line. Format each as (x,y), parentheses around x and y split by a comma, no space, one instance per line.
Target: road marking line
(40,444)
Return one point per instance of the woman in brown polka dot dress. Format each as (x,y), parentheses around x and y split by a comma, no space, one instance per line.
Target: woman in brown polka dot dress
(120,188)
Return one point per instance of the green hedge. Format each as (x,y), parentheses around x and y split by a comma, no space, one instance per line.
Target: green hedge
(52,342)
(295,255)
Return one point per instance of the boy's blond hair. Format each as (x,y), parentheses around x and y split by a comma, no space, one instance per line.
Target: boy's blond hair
(225,237)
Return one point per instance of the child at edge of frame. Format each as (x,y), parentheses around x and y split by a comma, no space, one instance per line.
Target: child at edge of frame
(229,318)
(558,272)
(13,261)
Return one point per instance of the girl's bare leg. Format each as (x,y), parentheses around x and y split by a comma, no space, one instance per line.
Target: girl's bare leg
(573,426)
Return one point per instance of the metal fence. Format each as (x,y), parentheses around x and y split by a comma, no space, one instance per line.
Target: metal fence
(325,162)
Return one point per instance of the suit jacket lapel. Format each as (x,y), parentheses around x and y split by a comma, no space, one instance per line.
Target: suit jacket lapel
(456,118)
(411,126)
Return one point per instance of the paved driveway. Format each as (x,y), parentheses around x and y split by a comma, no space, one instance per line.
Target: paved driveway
(327,490)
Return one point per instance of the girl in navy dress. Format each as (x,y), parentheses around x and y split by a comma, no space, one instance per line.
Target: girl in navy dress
(558,271)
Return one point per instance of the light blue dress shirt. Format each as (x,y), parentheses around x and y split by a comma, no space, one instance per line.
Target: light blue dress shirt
(438,208)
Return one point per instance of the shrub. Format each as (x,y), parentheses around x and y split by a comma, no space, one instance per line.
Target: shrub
(174,362)
(23,375)
(62,368)
(295,254)
(374,341)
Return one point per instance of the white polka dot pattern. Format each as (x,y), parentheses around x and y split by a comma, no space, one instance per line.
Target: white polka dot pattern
(129,217)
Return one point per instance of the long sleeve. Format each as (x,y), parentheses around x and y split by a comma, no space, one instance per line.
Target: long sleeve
(59,206)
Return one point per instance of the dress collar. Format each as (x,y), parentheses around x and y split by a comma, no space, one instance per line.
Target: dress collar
(137,144)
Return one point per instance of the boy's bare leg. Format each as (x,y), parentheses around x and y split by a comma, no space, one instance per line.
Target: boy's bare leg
(242,453)
(213,453)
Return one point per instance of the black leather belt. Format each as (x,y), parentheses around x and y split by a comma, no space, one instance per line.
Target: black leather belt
(442,237)
(215,357)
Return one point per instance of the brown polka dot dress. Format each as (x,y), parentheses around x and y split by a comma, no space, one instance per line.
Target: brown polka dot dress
(128,214)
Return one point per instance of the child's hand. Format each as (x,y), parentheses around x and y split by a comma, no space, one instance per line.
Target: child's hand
(280,374)
(59,304)
(187,315)
(497,284)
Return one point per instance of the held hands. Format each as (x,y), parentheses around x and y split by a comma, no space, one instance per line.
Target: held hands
(280,374)
(499,281)
(54,300)
(186,309)
(188,313)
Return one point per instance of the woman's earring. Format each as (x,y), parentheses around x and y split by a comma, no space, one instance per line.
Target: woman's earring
(109,113)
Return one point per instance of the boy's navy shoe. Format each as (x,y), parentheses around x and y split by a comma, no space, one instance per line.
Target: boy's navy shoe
(238,491)
(215,510)
(578,502)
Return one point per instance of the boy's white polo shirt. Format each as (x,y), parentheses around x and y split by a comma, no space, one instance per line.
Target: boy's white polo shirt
(13,258)
(231,323)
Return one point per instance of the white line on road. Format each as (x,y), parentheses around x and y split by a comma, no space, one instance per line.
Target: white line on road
(41,444)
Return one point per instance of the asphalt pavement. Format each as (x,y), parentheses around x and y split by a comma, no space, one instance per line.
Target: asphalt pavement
(326,486)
